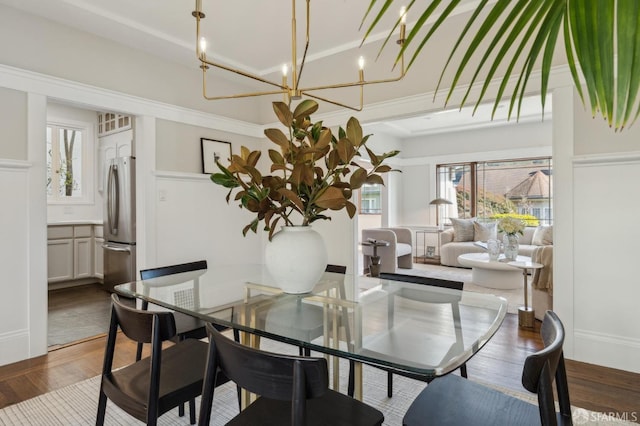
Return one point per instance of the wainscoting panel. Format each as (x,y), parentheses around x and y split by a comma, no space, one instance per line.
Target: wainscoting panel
(606,252)
(14,309)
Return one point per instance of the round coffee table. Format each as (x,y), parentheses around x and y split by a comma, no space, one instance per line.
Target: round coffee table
(493,273)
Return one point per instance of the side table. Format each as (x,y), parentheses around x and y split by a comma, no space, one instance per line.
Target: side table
(374,268)
(428,257)
(526,315)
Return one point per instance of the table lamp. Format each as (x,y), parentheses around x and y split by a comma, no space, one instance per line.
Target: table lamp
(439,202)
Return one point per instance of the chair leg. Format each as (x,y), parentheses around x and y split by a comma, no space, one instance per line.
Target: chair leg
(102,407)
(192,411)
(139,352)
(463,370)
(351,385)
(307,352)
(389,384)
(181,410)
(300,351)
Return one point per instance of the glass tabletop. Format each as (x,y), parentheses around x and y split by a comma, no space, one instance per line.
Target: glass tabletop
(419,329)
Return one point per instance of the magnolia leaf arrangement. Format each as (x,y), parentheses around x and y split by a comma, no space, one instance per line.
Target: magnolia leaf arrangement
(313,171)
(601,41)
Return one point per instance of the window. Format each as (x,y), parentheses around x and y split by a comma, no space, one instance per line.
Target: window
(66,174)
(494,188)
(371,198)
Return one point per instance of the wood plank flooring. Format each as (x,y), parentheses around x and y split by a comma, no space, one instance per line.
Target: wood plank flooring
(498,363)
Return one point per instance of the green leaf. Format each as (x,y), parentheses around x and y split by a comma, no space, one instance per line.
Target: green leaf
(276,136)
(283,113)
(354,131)
(305,109)
(332,198)
(358,178)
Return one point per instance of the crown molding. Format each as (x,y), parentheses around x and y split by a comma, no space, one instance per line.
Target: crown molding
(103,99)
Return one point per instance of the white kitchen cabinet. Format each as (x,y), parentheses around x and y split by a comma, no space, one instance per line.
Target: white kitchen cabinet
(98,252)
(60,260)
(72,253)
(82,258)
(112,146)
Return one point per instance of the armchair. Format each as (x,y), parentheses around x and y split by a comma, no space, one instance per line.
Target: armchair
(399,253)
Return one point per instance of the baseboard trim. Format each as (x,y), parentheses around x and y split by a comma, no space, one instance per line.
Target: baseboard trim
(15,346)
(619,352)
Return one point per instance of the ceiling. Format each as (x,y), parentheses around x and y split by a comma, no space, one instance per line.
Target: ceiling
(256,36)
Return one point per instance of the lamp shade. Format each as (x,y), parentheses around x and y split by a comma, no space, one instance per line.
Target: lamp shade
(440,201)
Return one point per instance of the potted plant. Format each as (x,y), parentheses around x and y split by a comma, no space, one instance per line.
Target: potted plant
(511,227)
(312,171)
(600,44)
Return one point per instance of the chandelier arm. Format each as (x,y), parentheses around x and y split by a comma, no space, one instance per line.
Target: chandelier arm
(336,103)
(306,45)
(242,73)
(242,95)
(355,83)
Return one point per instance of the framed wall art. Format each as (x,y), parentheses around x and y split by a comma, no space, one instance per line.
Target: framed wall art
(213,150)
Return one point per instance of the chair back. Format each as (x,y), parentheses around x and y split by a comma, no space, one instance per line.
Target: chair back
(275,376)
(433,282)
(542,367)
(338,269)
(147,274)
(141,326)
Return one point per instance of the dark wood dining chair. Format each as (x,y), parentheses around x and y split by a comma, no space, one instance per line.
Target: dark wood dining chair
(187,327)
(293,390)
(452,299)
(450,400)
(150,387)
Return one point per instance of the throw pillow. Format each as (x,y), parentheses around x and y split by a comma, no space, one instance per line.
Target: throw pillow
(543,236)
(485,231)
(462,229)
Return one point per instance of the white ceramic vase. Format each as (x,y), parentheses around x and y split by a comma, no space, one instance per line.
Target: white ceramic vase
(296,258)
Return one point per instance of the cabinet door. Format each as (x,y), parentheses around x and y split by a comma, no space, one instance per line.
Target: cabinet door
(98,261)
(60,260)
(83,257)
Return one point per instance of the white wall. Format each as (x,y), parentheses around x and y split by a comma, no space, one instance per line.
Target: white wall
(13,122)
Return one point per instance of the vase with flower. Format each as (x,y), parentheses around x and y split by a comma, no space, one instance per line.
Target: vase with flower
(312,171)
(511,228)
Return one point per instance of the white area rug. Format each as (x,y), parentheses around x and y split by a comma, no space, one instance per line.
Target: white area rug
(515,298)
(76,404)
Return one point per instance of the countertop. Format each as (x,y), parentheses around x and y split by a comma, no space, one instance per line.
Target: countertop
(75,222)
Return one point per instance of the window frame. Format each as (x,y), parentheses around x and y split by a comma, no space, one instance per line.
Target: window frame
(88,162)
(546,211)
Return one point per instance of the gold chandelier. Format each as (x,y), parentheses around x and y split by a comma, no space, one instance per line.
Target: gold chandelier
(290,89)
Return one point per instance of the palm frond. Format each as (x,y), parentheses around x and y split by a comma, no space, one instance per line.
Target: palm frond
(523,32)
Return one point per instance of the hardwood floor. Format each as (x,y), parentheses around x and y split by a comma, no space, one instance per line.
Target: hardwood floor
(498,363)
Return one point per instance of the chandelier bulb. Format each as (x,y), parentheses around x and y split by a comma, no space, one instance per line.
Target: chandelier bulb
(361,62)
(203,47)
(403,15)
(285,70)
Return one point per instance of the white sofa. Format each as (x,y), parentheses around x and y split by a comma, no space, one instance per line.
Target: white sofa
(450,249)
(399,253)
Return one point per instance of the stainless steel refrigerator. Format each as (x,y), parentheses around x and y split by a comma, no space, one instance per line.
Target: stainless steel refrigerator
(120,223)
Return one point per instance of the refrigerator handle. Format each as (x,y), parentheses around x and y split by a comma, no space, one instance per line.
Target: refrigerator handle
(113,199)
(112,248)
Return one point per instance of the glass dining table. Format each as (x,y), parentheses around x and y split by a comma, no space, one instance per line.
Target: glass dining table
(421,330)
